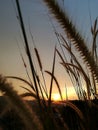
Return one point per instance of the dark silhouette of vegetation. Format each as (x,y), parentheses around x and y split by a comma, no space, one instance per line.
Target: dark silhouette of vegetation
(49,115)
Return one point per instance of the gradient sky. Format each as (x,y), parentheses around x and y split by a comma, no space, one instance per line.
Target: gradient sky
(35,15)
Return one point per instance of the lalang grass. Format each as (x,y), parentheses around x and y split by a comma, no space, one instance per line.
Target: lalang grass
(42,113)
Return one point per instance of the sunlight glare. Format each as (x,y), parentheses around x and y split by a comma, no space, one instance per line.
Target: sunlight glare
(56,97)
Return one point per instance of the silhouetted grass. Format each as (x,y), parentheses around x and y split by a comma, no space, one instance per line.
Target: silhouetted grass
(64,115)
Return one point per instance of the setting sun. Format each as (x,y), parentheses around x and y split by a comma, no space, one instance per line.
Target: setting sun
(71,95)
(56,97)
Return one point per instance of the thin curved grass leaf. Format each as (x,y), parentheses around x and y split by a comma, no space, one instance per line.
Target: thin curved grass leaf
(23,80)
(58,86)
(29,91)
(26,89)
(69,64)
(27,94)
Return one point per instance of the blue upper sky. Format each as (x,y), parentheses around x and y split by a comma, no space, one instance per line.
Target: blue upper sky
(35,16)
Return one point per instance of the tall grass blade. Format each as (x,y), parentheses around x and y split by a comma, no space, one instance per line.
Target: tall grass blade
(52,74)
(28,51)
(38,58)
(41,69)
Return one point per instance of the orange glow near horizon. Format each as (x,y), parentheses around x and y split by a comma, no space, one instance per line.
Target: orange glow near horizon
(71,95)
(56,97)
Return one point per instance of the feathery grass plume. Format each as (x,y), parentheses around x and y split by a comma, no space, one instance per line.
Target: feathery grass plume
(29,117)
(73,34)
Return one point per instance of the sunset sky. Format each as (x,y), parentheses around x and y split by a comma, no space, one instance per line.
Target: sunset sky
(35,17)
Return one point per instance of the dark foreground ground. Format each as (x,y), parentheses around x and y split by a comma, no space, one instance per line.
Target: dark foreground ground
(10,120)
